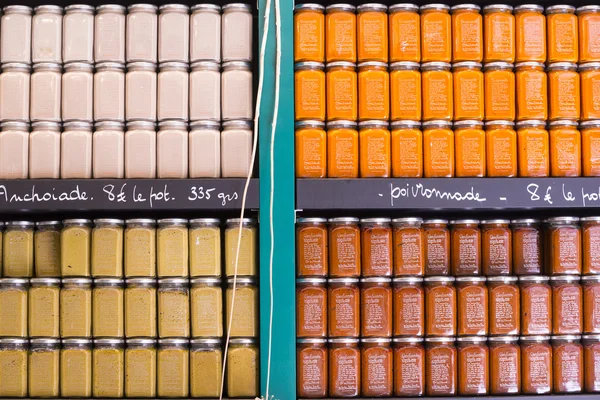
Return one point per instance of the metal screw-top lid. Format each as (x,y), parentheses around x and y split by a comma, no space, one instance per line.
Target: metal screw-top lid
(465,7)
(141,66)
(372,64)
(173,66)
(110,66)
(142,7)
(377,7)
(19,224)
(236,65)
(241,281)
(79,66)
(50,9)
(205,66)
(340,64)
(141,125)
(500,65)
(311,221)
(466,64)
(404,65)
(83,8)
(343,220)
(587,9)
(309,124)
(342,124)
(531,123)
(499,122)
(16,66)
(528,7)
(340,8)
(309,7)
(435,65)
(497,8)
(237,124)
(179,8)
(435,7)
(14,125)
(529,64)
(173,124)
(436,123)
(17,9)
(205,124)
(112,8)
(373,124)
(235,222)
(468,123)
(109,125)
(77,125)
(77,221)
(141,221)
(46,125)
(206,8)
(403,7)
(311,281)
(562,66)
(237,7)
(47,66)
(560,9)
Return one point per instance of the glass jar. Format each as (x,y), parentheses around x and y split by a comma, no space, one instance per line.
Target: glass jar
(505,365)
(13,373)
(565,146)
(172,91)
(563,38)
(109,91)
(466,247)
(470,150)
(108,308)
(140,368)
(236,148)
(588,23)
(46,34)
(468,91)
(591,368)
(109,368)
(342,149)
(344,307)
(140,308)
(172,149)
(501,149)
(140,87)
(568,364)
(376,238)
(173,308)
(530,33)
(408,247)
(15,90)
(441,367)
(173,368)
(527,246)
(76,309)
(142,33)
(405,90)
(496,247)
(46,240)
(76,368)
(590,230)
(205,104)
(436,238)
(564,91)
(563,246)
(536,305)
(206,364)
(77,91)
(567,305)
(43,367)
(377,367)
(13,307)
(76,150)
(309,89)
(172,247)
(344,247)
(536,364)
(107,248)
(78,33)
(109,33)
(467,29)
(45,88)
(17,257)
(344,367)
(591,303)
(342,93)
(375,158)
(499,93)
(437,89)
(207,307)
(75,243)
(499,33)
(43,313)
(14,150)
(409,307)
(205,247)
(590,78)
(504,305)
(534,148)
(140,248)
(372,32)
(376,311)
(311,247)
(243,371)
(340,31)
(532,91)
(409,366)
(473,366)
(243,318)
(173,33)
(440,303)
(246,262)
(205,139)
(438,163)
(436,33)
(108,150)
(312,367)
(205,33)
(311,303)
(472,306)
(407,148)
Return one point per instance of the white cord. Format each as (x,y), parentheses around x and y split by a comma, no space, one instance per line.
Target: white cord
(261,78)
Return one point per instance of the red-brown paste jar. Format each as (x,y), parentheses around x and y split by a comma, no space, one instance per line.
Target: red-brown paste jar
(466,247)
(440,306)
(344,247)
(505,305)
(473,365)
(568,364)
(409,367)
(505,365)
(436,240)
(567,305)
(344,367)
(409,257)
(472,306)
(527,246)
(590,230)
(377,367)
(311,307)
(344,307)
(591,303)
(409,306)
(496,247)
(312,365)
(563,246)
(376,235)
(536,364)
(441,367)
(536,305)
(591,362)
(311,247)
(376,307)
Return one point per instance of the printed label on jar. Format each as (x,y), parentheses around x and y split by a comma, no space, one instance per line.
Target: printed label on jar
(309,37)
(345,368)
(441,371)
(313,312)
(508,362)
(409,311)
(476,363)
(345,249)
(505,318)
(592,252)
(498,248)
(345,310)
(313,248)
(467,252)
(378,375)
(474,308)
(530,244)
(570,369)
(313,368)
(377,247)
(539,314)
(539,368)
(410,252)
(443,310)
(569,301)
(375,309)
(409,368)
(437,251)
(568,246)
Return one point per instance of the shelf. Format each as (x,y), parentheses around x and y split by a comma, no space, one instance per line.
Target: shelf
(125,194)
(448,194)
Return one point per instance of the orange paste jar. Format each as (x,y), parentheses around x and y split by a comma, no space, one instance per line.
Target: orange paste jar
(309,32)
(563,246)
(344,247)
(530,24)
(312,365)
(377,367)
(409,367)
(505,305)
(564,91)
(376,237)
(466,247)
(436,33)
(409,306)
(375,149)
(441,367)
(405,89)
(376,311)
(498,33)
(527,246)
(340,37)
(344,307)
(505,365)
(590,147)
(469,138)
(344,367)
(468,91)
(408,247)
(437,91)
(309,83)
(472,306)
(499,93)
(467,33)
(311,247)
(342,149)
(589,25)
(536,365)
(567,299)
(311,307)
(568,364)
(342,91)
(591,304)
(591,357)
(373,91)
(440,303)
(501,149)
(590,90)
(496,247)
(311,149)
(473,366)
(438,149)
(533,143)
(372,32)
(590,229)
(532,91)
(563,40)
(405,33)
(536,305)
(436,239)
(407,149)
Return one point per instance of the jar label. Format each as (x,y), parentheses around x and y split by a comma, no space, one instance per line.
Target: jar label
(508,363)
(313,242)
(313,311)
(313,368)
(539,368)
(377,247)
(441,371)
(409,366)
(476,365)
(375,309)
(436,248)
(498,248)
(344,310)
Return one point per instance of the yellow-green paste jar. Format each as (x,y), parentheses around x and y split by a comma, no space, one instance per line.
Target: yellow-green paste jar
(107,248)
(108,308)
(205,247)
(173,308)
(242,368)
(44,367)
(140,308)
(246,264)
(46,240)
(13,307)
(173,248)
(173,368)
(206,365)
(245,308)
(108,368)
(206,307)
(44,308)
(76,308)
(13,367)
(76,368)
(17,253)
(140,248)
(75,244)
(140,368)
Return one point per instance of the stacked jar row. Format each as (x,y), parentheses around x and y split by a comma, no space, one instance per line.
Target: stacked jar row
(132,368)
(466,366)
(112,248)
(373,247)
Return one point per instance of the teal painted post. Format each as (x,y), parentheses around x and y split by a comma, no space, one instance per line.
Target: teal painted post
(281,380)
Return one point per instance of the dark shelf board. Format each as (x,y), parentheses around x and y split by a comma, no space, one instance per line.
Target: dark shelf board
(452,194)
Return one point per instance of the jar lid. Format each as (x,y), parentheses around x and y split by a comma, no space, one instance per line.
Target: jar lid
(241,280)
(536,338)
(205,124)
(344,340)
(590,219)
(311,220)
(341,124)
(172,221)
(237,7)
(444,339)
(568,338)
(309,65)
(201,342)
(140,282)
(22,67)
(104,342)
(309,6)
(468,123)
(78,8)
(142,7)
(526,64)
(562,123)
(372,7)
(435,7)
(77,125)
(76,342)
(590,278)
(47,66)
(585,9)
(503,339)
(465,7)
(525,221)
(108,282)
(206,7)
(497,8)
(77,221)
(237,124)
(499,122)
(464,221)
(373,124)
(50,342)
(403,7)
(565,278)
(503,279)
(407,280)
(340,64)
(245,341)
(145,125)
(182,8)
(375,221)
(173,281)
(494,221)
(404,65)
(205,65)
(173,124)
(48,223)
(377,279)
(312,341)
(471,339)
(176,342)
(407,340)
(48,9)
(372,64)
(560,8)
(563,66)
(141,221)
(84,282)
(435,221)
(314,281)
(591,337)
(407,221)
(345,281)
(173,65)
(108,221)
(13,281)
(562,220)
(436,123)
(376,340)
(115,8)
(343,220)
(432,65)
(206,281)
(533,278)
(340,7)
(144,342)
(79,66)
(531,123)
(19,224)
(14,125)
(244,221)
(45,281)
(309,124)
(528,7)
(141,66)
(466,64)
(471,279)
(406,124)
(439,279)
(13,341)
(498,65)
